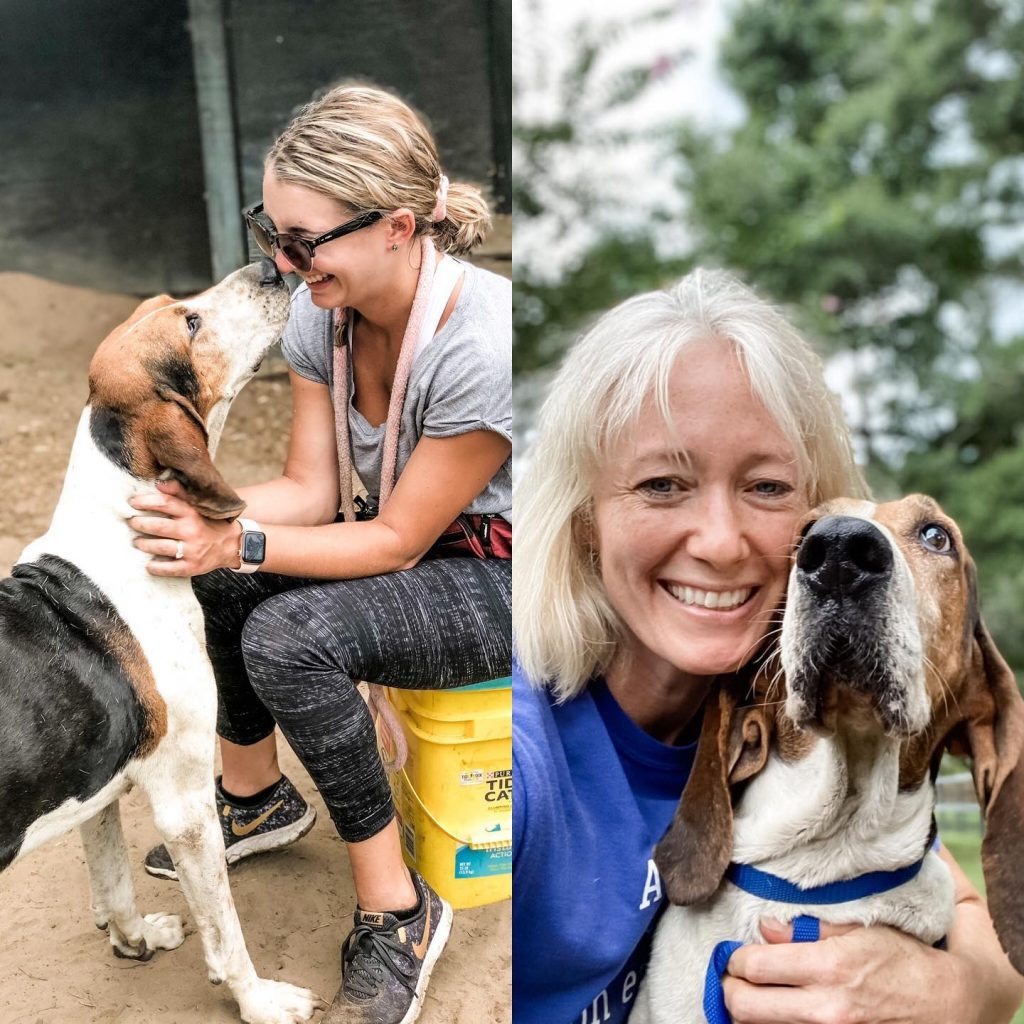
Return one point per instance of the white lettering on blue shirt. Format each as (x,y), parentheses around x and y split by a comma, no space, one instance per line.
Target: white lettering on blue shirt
(627,988)
(652,887)
(593,1015)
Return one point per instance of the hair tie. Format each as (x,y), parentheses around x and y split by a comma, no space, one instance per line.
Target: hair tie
(441,207)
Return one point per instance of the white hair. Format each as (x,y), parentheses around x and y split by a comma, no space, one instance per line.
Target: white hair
(564,626)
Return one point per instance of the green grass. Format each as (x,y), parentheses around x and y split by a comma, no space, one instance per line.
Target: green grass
(966,848)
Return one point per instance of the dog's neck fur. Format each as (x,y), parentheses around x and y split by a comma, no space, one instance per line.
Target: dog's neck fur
(833,814)
(90,523)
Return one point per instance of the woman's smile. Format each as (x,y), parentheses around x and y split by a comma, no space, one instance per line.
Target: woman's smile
(719,601)
(317,283)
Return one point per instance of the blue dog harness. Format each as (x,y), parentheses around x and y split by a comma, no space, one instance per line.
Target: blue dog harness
(805,929)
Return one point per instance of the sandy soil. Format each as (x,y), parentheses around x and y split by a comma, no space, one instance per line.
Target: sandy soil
(295,906)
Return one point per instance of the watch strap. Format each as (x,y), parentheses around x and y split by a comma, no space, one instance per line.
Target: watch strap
(248,526)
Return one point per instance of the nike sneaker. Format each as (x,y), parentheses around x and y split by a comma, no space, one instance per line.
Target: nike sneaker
(282,819)
(387,959)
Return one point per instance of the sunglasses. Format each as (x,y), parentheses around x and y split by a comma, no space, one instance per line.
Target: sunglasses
(299,251)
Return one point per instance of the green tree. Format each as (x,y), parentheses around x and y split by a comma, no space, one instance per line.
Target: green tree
(867,190)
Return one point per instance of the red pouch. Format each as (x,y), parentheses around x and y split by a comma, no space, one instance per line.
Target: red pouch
(474,536)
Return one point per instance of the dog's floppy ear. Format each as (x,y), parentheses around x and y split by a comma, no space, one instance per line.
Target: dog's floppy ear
(733,746)
(174,433)
(991,733)
(168,394)
(994,732)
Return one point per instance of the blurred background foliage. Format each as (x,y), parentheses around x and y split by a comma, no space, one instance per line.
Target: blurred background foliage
(561,177)
(875,188)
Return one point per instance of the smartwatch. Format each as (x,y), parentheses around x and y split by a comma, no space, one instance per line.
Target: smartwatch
(252,548)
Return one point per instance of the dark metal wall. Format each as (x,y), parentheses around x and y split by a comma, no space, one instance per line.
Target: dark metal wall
(435,55)
(101,182)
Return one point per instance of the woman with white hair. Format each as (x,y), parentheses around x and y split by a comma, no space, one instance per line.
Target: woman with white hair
(680,444)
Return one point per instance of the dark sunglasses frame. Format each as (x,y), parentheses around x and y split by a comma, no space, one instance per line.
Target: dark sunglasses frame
(292,246)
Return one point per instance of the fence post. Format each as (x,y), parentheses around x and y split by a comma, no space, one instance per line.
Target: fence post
(499,37)
(217,130)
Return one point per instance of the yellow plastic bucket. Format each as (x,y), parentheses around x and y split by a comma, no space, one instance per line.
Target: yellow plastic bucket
(453,798)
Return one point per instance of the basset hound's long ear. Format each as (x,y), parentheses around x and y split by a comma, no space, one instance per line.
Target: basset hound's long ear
(733,746)
(991,733)
(994,732)
(173,432)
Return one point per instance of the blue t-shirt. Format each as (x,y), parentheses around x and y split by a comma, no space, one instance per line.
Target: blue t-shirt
(593,794)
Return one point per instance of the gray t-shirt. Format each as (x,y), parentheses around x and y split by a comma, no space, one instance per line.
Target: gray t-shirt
(461,381)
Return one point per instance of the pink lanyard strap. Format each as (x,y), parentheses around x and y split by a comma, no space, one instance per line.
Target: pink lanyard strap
(428,262)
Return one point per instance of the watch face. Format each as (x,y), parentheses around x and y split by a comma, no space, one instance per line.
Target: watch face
(254,548)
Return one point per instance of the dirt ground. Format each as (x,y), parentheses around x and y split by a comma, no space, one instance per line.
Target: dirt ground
(295,906)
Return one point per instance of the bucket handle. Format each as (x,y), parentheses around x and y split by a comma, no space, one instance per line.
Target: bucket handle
(474,843)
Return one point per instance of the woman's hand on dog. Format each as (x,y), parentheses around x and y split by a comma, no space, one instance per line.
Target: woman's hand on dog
(165,519)
(852,974)
(877,974)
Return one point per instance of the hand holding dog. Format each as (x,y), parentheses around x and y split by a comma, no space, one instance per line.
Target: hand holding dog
(853,974)
(208,543)
(877,974)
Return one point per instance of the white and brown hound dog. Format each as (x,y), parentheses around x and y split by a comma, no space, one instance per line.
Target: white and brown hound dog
(104,680)
(887,664)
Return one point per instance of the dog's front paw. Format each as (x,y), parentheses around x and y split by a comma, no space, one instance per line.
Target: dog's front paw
(277,1002)
(155,931)
(129,948)
(163,931)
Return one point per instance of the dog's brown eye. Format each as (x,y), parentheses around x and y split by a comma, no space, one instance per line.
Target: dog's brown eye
(935,538)
(193,322)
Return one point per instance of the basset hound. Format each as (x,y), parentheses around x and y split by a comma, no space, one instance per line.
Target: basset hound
(821,808)
(104,679)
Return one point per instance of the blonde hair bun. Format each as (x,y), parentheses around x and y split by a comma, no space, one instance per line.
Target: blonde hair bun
(369,150)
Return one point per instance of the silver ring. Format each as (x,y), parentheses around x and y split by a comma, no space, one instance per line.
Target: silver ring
(179,551)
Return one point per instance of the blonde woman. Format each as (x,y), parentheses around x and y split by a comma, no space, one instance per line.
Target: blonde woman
(408,351)
(683,439)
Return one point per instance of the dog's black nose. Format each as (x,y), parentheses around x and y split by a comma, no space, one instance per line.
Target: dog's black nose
(844,556)
(269,274)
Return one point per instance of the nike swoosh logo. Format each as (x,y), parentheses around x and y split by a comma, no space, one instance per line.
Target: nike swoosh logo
(420,948)
(244,830)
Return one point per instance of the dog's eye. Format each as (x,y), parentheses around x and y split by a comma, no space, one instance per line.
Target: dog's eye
(193,322)
(935,538)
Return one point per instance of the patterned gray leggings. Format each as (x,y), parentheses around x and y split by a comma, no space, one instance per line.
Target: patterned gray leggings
(287,649)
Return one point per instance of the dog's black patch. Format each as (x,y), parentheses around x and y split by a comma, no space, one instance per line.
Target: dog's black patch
(106,426)
(176,372)
(70,717)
